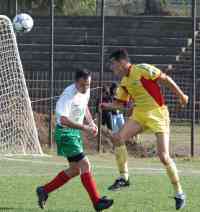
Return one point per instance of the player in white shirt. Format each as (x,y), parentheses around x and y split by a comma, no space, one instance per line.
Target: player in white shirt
(71,109)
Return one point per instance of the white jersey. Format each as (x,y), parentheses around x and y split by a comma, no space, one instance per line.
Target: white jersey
(72,104)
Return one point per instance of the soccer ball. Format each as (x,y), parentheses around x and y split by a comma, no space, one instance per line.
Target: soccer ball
(23,23)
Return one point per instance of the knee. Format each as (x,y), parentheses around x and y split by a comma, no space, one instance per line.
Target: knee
(117,140)
(76,171)
(73,171)
(164,158)
(85,166)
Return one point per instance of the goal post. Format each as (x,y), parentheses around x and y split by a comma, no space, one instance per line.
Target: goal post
(18,133)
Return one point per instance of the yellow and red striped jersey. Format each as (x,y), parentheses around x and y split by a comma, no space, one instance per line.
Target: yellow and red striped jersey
(141,85)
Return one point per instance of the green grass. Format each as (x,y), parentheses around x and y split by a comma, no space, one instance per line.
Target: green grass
(150,190)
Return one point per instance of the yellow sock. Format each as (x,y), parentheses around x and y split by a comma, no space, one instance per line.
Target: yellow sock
(121,156)
(173,175)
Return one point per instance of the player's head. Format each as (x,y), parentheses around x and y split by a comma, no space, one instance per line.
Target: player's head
(119,61)
(82,80)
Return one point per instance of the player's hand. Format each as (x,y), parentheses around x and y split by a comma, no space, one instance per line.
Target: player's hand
(91,129)
(94,128)
(184,100)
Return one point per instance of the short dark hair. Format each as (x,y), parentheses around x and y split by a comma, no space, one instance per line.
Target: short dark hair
(119,54)
(82,73)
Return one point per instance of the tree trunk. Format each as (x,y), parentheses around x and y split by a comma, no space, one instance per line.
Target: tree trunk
(156,7)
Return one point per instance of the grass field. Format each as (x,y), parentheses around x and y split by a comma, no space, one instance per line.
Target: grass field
(150,190)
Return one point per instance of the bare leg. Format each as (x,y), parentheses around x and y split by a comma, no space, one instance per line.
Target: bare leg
(130,129)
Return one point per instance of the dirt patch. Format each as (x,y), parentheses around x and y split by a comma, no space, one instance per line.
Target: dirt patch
(42,124)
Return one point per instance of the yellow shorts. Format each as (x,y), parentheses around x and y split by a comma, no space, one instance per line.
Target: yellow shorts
(156,120)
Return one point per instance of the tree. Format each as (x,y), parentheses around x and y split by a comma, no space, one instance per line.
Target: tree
(156,7)
(66,7)
(76,7)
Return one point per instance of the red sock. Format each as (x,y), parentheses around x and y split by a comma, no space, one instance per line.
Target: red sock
(90,185)
(57,182)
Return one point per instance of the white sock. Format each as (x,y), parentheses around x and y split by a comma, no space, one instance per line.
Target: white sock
(180,195)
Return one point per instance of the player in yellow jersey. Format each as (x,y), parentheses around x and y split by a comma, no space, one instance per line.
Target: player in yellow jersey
(140,82)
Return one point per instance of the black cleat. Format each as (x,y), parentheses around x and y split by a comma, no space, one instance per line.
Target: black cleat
(118,184)
(180,201)
(42,197)
(103,204)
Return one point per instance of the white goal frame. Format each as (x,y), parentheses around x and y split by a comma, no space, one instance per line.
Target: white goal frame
(18,132)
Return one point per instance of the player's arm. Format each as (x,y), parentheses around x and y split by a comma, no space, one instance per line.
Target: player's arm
(66,122)
(88,116)
(169,82)
(120,100)
(130,107)
(115,105)
(90,121)
(153,73)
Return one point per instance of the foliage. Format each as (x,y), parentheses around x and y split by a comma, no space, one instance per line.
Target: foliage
(88,7)
(156,7)
(184,9)
(76,7)
(66,7)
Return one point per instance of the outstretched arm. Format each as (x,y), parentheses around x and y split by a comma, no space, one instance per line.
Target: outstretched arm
(115,105)
(169,82)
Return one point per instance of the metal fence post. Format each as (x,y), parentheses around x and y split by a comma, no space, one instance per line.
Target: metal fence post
(194,77)
(101,73)
(51,76)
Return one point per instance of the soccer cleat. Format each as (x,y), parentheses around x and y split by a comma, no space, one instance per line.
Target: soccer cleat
(103,204)
(180,200)
(42,197)
(118,184)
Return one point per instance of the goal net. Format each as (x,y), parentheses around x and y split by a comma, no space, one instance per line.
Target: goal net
(18,133)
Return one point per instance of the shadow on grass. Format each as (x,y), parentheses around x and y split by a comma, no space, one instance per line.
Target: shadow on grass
(69,210)
(18,209)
